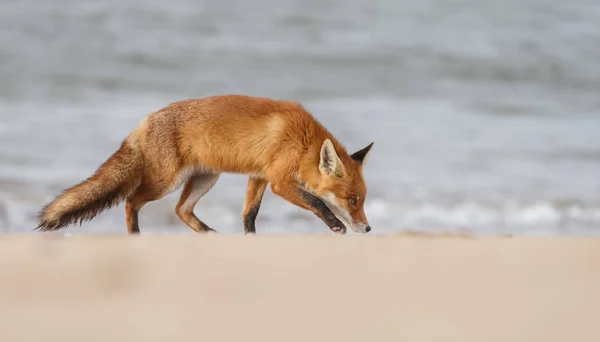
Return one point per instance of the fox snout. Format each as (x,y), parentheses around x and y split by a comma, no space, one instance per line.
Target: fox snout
(361,228)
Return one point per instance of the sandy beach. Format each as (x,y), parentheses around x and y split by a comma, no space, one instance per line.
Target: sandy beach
(189,287)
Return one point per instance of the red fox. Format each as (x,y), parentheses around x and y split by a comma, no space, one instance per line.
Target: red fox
(192,142)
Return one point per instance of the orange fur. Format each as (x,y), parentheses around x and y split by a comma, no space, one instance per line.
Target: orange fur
(191,142)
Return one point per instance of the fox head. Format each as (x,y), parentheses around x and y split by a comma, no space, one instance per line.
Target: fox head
(342,187)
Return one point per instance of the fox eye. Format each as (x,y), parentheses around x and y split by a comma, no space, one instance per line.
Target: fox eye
(352,201)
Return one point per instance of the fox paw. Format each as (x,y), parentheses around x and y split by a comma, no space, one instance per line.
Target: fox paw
(339,230)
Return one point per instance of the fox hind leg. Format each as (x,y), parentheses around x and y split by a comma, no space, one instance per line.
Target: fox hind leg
(132,207)
(196,187)
(254,194)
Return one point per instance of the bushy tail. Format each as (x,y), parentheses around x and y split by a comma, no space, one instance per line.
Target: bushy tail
(112,182)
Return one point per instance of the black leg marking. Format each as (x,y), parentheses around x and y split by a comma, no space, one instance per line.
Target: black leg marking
(250,219)
(326,215)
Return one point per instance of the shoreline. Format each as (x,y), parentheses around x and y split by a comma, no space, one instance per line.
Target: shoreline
(411,286)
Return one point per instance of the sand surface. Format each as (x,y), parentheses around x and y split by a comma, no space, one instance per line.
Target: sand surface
(298,288)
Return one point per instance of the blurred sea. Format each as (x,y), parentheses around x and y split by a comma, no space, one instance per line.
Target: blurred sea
(485,114)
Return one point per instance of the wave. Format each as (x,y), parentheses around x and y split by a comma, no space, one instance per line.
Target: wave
(508,217)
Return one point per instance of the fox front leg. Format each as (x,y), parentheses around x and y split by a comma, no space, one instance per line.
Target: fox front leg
(319,207)
(296,194)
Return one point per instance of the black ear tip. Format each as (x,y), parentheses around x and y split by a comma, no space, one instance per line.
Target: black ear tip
(359,155)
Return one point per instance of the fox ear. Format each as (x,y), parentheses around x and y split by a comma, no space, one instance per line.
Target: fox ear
(330,163)
(361,155)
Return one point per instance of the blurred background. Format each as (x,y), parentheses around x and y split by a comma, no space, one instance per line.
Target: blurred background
(485,114)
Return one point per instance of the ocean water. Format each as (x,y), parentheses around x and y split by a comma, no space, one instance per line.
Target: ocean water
(485,114)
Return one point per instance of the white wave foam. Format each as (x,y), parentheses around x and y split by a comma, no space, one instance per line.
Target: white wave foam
(497,218)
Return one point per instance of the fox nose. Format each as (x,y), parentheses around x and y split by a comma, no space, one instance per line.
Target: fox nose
(368,229)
